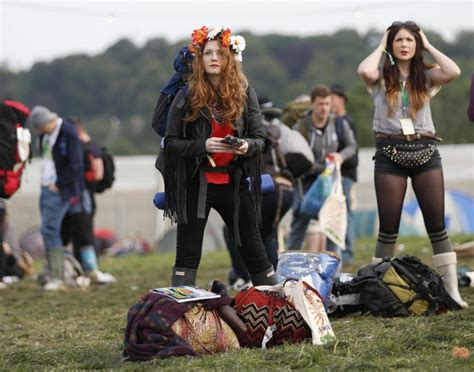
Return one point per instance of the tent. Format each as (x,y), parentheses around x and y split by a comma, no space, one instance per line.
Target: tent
(459,215)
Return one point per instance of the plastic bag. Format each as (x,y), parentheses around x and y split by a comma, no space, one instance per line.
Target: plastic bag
(318,192)
(318,269)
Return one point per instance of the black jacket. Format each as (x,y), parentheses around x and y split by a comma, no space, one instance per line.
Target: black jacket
(185,151)
(68,161)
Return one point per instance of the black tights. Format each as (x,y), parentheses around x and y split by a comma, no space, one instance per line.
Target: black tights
(429,190)
(3,258)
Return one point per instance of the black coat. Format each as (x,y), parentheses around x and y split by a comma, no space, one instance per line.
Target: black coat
(185,151)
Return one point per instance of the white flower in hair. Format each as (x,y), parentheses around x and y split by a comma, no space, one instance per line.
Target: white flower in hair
(213,32)
(238,57)
(237,43)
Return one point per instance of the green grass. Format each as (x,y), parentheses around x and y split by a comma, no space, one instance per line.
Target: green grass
(83,329)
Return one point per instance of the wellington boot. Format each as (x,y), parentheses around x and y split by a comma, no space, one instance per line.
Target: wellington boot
(182,276)
(55,258)
(445,264)
(265,277)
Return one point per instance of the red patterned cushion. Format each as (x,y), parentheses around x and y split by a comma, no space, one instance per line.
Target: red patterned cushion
(259,310)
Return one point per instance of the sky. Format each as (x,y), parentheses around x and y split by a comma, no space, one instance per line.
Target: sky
(38,30)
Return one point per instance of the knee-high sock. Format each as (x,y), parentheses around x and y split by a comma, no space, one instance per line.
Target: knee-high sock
(385,246)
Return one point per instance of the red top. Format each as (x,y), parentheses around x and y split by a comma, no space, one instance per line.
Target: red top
(220,158)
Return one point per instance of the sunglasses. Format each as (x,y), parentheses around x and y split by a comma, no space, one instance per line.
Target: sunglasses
(409,24)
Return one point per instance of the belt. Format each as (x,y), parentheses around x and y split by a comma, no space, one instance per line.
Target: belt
(409,137)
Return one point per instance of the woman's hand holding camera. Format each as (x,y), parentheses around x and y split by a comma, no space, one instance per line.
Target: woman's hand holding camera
(217,144)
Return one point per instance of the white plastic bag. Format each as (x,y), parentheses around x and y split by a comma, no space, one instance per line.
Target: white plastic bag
(333,213)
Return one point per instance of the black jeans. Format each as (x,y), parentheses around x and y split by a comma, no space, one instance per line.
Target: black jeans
(221,198)
(269,230)
(3,259)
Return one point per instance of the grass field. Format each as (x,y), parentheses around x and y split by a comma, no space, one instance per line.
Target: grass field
(83,329)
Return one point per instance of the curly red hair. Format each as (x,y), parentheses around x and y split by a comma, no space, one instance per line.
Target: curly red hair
(232,92)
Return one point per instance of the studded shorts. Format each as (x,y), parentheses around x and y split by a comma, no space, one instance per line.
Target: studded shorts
(385,149)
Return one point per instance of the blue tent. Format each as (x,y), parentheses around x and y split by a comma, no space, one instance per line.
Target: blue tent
(459,215)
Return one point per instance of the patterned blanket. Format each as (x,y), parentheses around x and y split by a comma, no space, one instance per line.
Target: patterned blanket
(149,334)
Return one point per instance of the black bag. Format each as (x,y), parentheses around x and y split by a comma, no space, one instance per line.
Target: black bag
(353,161)
(410,155)
(182,66)
(109,171)
(401,286)
(13,117)
(345,300)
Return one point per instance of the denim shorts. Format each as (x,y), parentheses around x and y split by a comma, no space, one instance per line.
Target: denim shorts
(384,165)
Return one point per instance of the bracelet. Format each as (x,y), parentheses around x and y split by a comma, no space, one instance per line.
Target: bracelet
(380,48)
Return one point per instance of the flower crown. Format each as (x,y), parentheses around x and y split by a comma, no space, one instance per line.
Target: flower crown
(235,43)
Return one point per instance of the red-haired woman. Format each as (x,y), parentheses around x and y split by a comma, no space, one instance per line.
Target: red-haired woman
(406,140)
(202,171)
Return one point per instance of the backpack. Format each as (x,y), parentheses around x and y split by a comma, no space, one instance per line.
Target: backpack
(89,154)
(15,142)
(295,110)
(182,67)
(288,149)
(400,286)
(109,171)
(353,161)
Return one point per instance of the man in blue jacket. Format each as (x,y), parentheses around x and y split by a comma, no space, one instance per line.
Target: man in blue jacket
(62,185)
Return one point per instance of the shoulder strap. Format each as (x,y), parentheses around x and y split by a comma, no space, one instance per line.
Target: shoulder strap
(340,133)
(303,129)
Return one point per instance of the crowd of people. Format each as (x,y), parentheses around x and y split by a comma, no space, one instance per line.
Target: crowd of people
(221,137)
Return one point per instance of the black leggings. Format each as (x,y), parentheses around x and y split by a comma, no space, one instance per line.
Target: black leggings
(221,198)
(429,190)
(77,228)
(3,259)
(269,230)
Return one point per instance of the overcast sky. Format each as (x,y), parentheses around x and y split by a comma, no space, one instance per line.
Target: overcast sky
(40,30)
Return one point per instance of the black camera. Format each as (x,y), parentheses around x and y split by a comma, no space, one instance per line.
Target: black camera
(233,141)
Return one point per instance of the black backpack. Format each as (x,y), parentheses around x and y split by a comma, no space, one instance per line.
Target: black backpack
(400,286)
(182,67)
(109,171)
(353,161)
(13,116)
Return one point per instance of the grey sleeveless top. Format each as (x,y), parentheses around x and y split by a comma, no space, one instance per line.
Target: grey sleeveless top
(384,123)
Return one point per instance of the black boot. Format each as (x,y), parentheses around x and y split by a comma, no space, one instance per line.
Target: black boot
(182,276)
(265,277)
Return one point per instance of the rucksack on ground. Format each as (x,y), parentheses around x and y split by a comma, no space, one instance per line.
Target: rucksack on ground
(182,67)
(400,286)
(15,142)
(109,171)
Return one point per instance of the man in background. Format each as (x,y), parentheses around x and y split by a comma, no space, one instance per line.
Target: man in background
(318,126)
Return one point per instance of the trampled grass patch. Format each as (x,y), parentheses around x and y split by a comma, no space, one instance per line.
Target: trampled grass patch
(83,329)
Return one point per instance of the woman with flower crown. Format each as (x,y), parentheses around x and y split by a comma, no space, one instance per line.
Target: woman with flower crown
(406,140)
(202,170)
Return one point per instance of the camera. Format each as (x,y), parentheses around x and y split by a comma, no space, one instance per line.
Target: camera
(233,141)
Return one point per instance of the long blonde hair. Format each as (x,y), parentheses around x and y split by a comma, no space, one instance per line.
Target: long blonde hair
(232,89)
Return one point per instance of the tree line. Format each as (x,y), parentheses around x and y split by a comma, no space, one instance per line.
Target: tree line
(114,92)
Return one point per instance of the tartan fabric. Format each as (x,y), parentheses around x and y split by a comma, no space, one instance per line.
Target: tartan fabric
(149,334)
(259,310)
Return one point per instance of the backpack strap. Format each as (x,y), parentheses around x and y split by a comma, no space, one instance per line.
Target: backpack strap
(340,133)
